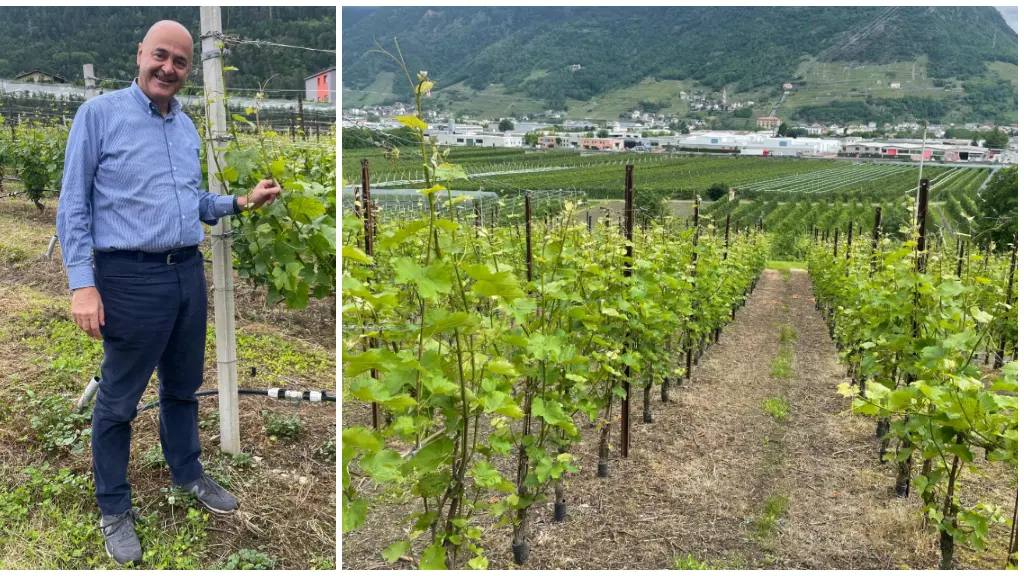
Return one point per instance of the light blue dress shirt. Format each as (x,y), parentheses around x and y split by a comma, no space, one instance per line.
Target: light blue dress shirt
(131,182)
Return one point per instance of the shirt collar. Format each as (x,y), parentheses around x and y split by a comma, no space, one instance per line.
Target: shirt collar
(144,100)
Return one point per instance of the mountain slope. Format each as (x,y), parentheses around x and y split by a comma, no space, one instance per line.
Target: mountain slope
(529,50)
(60,40)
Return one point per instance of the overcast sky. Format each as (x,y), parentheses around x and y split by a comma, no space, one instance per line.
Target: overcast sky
(1010,15)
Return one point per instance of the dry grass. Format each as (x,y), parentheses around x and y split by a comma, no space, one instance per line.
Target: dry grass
(701,477)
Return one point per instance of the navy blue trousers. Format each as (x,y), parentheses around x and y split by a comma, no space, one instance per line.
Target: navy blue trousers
(155,318)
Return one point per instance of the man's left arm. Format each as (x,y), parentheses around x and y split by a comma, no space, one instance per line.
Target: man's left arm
(213,207)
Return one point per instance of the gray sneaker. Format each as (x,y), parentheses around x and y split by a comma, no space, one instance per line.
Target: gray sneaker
(119,538)
(211,495)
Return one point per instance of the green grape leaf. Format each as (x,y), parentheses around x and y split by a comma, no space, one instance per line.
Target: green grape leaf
(395,551)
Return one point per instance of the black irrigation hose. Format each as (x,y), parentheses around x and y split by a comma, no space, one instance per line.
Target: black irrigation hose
(281,393)
(277,393)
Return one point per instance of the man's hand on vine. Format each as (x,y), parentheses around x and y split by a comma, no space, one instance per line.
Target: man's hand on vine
(264,193)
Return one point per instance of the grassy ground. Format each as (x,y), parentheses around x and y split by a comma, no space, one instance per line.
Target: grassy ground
(376,93)
(284,478)
(615,102)
(1004,71)
(492,102)
(828,81)
(783,265)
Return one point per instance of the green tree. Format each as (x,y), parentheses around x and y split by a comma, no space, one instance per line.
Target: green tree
(530,138)
(506,125)
(995,138)
(602,133)
(649,203)
(783,130)
(717,190)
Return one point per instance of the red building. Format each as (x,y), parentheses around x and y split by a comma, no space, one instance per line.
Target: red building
(321,87)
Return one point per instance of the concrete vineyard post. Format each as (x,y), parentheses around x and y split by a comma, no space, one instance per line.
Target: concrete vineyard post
(90,81)
(223,278)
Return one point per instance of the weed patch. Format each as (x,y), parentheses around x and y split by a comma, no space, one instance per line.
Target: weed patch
(12,254)
(320,563)
(278,426)
(177,547)
(274,357)
(153,457)
(54,426)
(690,562)
(774,509)
(325,452)
(782,366)
(70,355)
(246,559)
(787,334)
(777,408)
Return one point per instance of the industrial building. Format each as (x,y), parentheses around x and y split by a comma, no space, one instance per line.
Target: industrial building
(487,140)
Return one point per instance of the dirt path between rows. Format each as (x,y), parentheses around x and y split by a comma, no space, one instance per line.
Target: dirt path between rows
(747,466)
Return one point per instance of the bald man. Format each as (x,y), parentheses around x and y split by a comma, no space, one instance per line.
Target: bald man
(129,221)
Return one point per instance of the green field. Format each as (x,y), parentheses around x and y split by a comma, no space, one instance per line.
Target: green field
(374,94)
(828,81)
(492,102)
(1004,71)
(615,102)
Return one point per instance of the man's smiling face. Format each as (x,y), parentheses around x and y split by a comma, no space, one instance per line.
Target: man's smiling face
(165,60)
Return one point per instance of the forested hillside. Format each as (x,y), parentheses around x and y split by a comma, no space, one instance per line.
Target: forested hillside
(530,50)
(60,40)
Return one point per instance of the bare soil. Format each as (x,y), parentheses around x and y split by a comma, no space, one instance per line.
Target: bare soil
(701,479)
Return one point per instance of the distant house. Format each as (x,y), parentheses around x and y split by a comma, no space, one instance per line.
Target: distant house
(768,122)
(894,85)
(602,143)
(41,77)
(321,87)
(576,67)
(787,87)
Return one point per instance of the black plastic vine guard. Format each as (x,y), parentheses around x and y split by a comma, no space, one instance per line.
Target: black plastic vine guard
(903,490)
(521,553)
(647,418)
(560,511)
(882,428)
(602,469)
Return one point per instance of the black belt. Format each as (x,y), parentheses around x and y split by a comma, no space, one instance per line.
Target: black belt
(176,256)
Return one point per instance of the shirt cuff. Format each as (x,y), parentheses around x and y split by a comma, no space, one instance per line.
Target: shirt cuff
(224,206)
(236,207)
(80,276)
